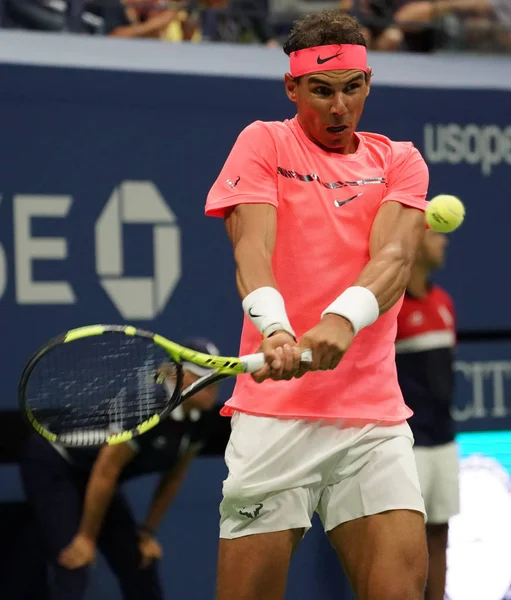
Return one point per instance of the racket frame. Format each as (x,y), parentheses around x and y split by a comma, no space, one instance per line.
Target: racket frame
(222,367)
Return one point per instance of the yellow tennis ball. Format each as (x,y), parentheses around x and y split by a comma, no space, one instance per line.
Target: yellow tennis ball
(445,213)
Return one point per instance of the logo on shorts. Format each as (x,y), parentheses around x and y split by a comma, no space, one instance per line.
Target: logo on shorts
(251,512)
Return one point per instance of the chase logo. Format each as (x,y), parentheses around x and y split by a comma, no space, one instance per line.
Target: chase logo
(33,263)
(137,202)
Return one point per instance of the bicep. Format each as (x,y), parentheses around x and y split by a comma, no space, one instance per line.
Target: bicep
(254,225)
(397,227)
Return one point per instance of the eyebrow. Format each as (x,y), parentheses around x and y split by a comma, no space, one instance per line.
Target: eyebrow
(317,80)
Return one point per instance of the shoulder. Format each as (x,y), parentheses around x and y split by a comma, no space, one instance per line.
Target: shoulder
(266,132)
(391,153)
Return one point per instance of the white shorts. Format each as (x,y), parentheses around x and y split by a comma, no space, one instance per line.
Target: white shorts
(438,470)
(283,470)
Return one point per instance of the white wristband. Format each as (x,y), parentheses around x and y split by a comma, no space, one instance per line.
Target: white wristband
(265,308)
(358,305)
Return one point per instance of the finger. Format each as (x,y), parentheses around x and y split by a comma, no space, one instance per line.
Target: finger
(64,560)
(276,367)
(273,357)
(262,374)
(332,359)
(327,358)
(335,362)
(68,563)
(302,370)
(288,362)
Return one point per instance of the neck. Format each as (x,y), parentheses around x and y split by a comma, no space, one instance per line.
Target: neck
(418,282)
(348,148)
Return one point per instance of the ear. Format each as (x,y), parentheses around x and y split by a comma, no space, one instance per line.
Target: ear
(291,85)
(368,81)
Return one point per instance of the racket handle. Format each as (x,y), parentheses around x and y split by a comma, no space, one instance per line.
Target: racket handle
(254,362)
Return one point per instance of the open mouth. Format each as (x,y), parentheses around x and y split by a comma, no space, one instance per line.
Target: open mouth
(337,130)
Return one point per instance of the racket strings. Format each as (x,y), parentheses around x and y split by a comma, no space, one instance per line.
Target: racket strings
(106,382)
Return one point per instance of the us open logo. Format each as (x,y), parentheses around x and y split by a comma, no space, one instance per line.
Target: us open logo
(138,202)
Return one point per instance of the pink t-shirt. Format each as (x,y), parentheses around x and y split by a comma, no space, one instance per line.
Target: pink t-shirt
(326,203)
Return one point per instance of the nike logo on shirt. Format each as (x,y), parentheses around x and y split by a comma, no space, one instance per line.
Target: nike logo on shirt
(339,203)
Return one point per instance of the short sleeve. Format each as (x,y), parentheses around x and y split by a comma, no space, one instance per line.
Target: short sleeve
(249,175)
(408,178)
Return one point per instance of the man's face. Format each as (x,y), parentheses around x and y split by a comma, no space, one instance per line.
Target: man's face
(432,252)
(329,105)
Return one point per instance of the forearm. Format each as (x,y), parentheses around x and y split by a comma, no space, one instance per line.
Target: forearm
(253,267)
(98,496)
(395,236)
(415,13)
(386,275)
(252,230)
(146,28)
(163,496)
(425,11)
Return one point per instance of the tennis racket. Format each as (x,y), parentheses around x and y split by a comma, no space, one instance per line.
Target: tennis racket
(105,384)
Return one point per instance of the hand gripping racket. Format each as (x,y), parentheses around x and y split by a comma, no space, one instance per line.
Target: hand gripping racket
(105,384)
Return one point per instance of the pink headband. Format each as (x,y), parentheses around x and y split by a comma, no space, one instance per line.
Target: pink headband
(328,58)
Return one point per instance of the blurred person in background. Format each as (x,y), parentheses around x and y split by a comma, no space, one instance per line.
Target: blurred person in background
(192,21)
(377,19)
(426,25)
(425,345)
(234,21)
(77,507)
(425,22)
(133,18)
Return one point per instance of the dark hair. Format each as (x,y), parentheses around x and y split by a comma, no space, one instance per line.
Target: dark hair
(322,29)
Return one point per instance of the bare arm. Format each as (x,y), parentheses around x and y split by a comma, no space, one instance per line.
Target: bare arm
(154,24)
(395,237)
(101,487)
(252,230)
(168,487)
(424,11)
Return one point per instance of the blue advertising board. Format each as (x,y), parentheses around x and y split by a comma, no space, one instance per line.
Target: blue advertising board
(104,175)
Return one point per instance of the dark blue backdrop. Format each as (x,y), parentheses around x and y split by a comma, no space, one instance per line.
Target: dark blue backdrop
(71,137)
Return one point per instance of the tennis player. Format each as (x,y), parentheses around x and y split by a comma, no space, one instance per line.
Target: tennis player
(78,508)
(325,223)
(426,338)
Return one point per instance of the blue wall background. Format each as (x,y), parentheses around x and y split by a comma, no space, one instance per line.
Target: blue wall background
(81,132)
